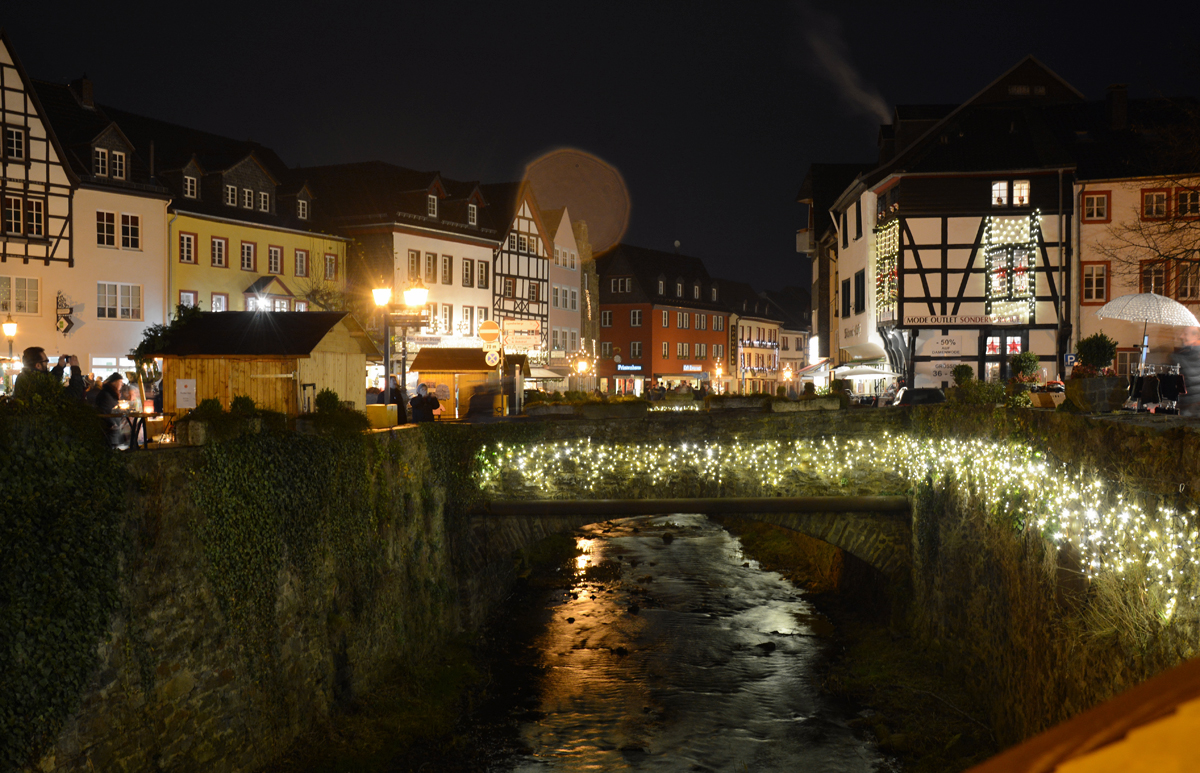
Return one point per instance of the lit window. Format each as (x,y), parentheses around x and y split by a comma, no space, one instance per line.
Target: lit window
(220,302)
(189,187)
(187,298)
(1000,193)
(100,162)
(118,165)
(300,306)
(118,301)
(281,304)
(19,295)
(1020,193)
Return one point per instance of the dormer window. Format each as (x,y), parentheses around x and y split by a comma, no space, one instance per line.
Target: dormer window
(247,198)
(302,209)
(1020,193)
(189,187)
(231,195)
(264,202)
(679,289)
(431,205)
(472,214)
(100,162)
(118,165)
(714,293)
(696,291)
(1000,193)
(662,287)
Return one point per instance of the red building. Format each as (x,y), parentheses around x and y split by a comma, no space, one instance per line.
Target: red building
(662,320)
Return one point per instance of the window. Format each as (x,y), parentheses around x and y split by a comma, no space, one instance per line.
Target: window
(187,248)
(572,266)
(414,265)
(447,270)
(845,297)
(301,262)
(1095,282)
(635,350)
(666,350)
(681,319)
(1095,207)
(533,244)
(274,260)
(302,209)
(481,314)
(573,343)
(554,294)
(1187,204)
(714,294)
(118,301)
(1188,280)
(19,295)
(554,344)
(249,262)
(512,241)
(622,285)
(522,243)
(482,278)
(430,268)
(447,318)
(330,267)
(860,292)
(13,205)
(35,217)
(14,143)
(187,297)
(100,162)
(679,289)
(858,220)
(718,351)
(299,305)
(189,187)
(666,318)
(606,349)
(280,304)
(784,343)
(635,318)
(702,322)
(661,287)
(696,292)
(467,326)
(468,278)
(718,322)
(1020,193)
(1126,361)
(510,287)
(118,165)
(431,205)
(106,229)
(1154,278)
(131,232)
(606,318)
(231,195)
(845,230)
(533,291)
(701,351)
(220,302)
(1000,193)
(696,320)
(247,198)
(219,251)
(574,299)
(1154,205)
(264,202)
(557,256)
(472,214)
(683,351)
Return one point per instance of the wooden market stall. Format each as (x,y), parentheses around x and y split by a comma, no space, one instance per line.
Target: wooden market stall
(453,374)
(281,360)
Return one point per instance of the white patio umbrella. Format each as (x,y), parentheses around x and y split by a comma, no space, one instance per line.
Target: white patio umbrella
(864,372)
(1148,308)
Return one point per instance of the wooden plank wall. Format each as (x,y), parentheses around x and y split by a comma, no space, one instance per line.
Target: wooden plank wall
(225,378)
(343,372)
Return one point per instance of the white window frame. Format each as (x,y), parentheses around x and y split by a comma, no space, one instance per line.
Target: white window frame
(1095,206)
(14,143)
(231,195)
(472,214)
(123,295)
(274,259)
(187,248)
(20,295)
(481,276)
(331,267)
(431,205)
(118,165)
(251,254)
(106,228)
(264,201)
(302,209)
(1020,193)
(189,186)
(131,231)
(301,260)
(247,198)
(1091,292)
(605,318)
(100,162)
(606,349)
(220,302)
(218,256)
(1187,280)
(35,217)
(635,350)
(666,350)
(574,299)
(635,317)
(189,298)
(1000,193)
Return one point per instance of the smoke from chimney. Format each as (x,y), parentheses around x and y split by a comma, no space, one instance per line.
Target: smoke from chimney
(830,57)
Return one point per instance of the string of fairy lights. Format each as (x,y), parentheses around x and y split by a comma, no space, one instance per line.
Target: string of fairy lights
(887,254)
(1015,483)
(1009,246)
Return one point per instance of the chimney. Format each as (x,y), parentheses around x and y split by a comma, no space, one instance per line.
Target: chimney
(1118,106)
(82,89)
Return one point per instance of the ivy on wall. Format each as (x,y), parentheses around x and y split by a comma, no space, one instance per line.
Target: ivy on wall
(60,528)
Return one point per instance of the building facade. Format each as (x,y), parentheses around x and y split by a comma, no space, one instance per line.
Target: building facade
(566,305)
(521,266)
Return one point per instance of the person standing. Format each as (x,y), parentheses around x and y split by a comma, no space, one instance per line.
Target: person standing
(106,405)
(423,405)
(36,372)
(1187,357)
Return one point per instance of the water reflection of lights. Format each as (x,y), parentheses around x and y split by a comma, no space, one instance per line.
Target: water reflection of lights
(584,546)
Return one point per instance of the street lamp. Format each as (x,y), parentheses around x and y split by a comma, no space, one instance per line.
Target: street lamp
(718,378)
(10,330)
(406,316)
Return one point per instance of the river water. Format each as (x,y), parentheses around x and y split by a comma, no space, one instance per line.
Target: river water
(672,651)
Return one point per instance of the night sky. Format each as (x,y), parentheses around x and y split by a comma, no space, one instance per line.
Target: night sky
(710,111)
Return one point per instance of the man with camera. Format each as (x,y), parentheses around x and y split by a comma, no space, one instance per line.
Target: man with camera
(37,373)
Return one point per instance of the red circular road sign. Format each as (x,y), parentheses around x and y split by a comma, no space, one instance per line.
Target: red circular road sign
(489,331)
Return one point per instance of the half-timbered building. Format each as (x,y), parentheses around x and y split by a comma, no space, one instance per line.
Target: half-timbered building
(565,285)
(521,262)
(956,247)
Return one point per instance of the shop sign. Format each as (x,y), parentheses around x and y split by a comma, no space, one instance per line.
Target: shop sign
(185,393)
(943,370)
(522,333)
(621,366)
(951,320)
(425,340)
(692,369)
(945,346)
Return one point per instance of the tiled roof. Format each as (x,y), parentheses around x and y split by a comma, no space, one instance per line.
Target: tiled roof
(741,299)
(794,304)
(648,266)
(371,192)
(77,127)
(260,334)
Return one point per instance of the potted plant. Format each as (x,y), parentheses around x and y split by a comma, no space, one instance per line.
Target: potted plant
(1093,386)
(1024,367)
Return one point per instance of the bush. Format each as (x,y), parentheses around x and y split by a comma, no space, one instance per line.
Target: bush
(962,374)
(976,392)
(243,405)
(810,389)
(781,391)
(1025,366)
(327,401)
(1096,351)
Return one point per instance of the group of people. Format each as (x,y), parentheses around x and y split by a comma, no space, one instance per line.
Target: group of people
(104,395)
(423,405)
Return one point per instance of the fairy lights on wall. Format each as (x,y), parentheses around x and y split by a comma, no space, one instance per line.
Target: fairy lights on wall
(1010,245)
(1012,482)
(887,255)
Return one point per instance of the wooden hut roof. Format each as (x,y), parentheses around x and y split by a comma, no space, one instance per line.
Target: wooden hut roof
(262,334)
(450,360)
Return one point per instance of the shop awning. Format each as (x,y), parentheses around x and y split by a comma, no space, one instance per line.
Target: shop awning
(547,374)
(816,367)
(865,351)
(864,373)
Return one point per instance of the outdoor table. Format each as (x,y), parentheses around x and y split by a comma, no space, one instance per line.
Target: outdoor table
(136,421)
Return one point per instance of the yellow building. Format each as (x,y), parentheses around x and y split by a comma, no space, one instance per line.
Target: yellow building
(239,230)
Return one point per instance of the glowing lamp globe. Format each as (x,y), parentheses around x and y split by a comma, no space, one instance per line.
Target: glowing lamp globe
(415,296)
(383,295)
(10,327)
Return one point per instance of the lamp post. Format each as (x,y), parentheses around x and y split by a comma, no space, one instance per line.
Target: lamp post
(718,390)
(10,330)
(405,316)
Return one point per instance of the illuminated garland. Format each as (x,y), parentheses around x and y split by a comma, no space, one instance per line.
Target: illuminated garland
(887,256)
(1009,246)
(692,406)
(1013,482)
